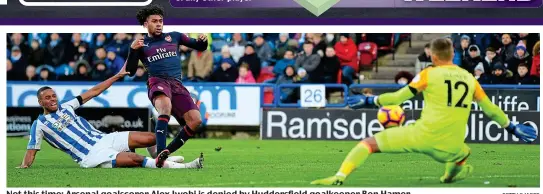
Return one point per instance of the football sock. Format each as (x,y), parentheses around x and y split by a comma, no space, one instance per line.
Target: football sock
(354,159)
(453,168)
(152,151)
(148,163)
(182,137)
(151,163)
(161,130)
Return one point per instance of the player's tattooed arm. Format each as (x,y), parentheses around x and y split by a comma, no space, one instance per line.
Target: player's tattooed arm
(199,44)
(101,87)
(29,158)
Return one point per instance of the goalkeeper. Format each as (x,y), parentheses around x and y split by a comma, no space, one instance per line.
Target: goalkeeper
(448,92)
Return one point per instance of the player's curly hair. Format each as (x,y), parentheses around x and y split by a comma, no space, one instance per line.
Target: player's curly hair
(147,11)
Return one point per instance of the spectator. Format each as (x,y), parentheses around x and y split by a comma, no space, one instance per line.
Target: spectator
(346,51)
(307,59)
(403,78)
(520,56)
(473,59)
(100,41)
(200,65)
(225,54)
(46,75)
(534,71)
(55,52)
(287,78)
(529,39)
(252,60)
(507,52)
(120,45)
(281,46)
(523,78)
(367,92)
(301,76)
(36,55)
(479,74)
(18,61)
(72,50)
(331,39)
(100,54)
(288,59)
(500,74)
(262,49)
(30,74)
(17,39)
(101,72)
(114,63)
(82,53)
(490,60)
(320,45)
(293,45)
(245,76)
(424,60)
(237,47)
(328,68)
(10,74)
(227,73)
(462,52)
(83,72)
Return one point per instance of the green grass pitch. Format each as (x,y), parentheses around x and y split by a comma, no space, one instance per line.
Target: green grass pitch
(255,163)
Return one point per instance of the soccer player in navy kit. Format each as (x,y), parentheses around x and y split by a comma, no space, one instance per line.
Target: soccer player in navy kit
(159,52)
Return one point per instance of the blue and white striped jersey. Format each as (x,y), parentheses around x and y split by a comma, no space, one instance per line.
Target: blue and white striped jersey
(65,131)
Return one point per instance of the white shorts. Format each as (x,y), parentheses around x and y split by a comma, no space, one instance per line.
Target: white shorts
(105,151)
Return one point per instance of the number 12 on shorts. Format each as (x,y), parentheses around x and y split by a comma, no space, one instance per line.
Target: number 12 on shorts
(313,95)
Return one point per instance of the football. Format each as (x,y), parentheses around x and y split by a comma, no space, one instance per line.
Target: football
(391,116)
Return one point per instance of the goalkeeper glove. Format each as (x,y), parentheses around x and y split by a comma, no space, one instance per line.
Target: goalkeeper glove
(359,101)
(525,132)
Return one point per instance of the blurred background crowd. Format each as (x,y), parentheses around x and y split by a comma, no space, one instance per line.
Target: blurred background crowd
(272,57)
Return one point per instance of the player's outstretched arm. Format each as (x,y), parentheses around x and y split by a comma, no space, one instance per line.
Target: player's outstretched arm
(199,44)
(28,159)
(524,132)
(392,98)
(101,87)
(418,84)
(134,56)
(34,144)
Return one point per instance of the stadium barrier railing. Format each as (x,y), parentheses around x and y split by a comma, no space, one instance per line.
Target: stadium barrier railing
(273,91)
(279,88)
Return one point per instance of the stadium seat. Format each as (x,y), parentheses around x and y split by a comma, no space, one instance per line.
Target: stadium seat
(406,36)
(368,54)
(389,48)
(339,76)
(268,96)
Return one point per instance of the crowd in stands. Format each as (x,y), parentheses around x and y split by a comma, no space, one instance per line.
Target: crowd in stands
(230,57)
(495,58)
(266,58)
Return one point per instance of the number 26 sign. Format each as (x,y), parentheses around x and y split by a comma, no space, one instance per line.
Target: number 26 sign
(313,96)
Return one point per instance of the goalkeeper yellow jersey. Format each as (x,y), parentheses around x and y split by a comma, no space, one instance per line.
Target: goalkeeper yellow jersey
(448,92)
